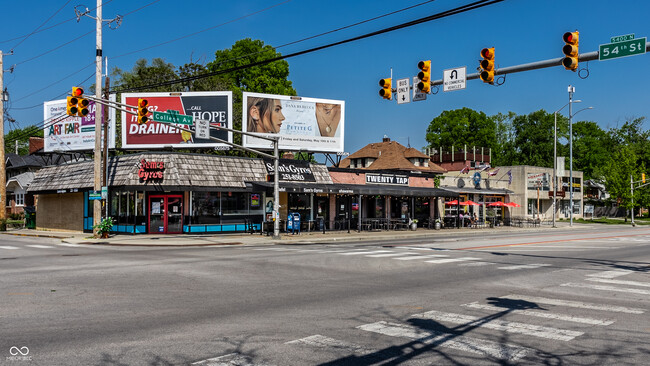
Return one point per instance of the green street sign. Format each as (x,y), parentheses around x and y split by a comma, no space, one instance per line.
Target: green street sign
(623,38)
(621,49)
(172,118)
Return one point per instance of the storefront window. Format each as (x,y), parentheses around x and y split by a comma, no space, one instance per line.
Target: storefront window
(300,203)
(127,208)
(226,207)
(205,208)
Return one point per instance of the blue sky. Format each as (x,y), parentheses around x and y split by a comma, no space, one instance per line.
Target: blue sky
(521,31)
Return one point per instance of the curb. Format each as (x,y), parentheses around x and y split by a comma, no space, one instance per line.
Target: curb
(39,235)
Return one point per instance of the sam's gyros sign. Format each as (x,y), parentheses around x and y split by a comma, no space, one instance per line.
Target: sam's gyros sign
(150,170)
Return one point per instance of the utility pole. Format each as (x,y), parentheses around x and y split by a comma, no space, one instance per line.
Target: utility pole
(97,205)
(632,197)
(571,91)
(3,169)
(105,151)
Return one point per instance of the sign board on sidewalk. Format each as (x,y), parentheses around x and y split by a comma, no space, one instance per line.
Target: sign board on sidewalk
(454,79)
(417,94)
(403,95)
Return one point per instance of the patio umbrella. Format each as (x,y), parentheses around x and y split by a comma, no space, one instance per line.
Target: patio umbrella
(450,203)
(468,202)
(512,204)
(496,204)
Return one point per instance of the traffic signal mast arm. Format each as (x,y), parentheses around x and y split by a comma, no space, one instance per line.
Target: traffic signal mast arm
(589,56)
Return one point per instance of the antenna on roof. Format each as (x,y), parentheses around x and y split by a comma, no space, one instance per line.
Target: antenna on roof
(408,139)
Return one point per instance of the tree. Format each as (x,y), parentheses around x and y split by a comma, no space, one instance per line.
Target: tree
(505,136)
(618,169)
(22,136)
(462,127)
(592,147)
(533,142)
(144,74)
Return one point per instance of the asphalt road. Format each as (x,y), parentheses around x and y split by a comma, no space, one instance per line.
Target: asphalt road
(557,297)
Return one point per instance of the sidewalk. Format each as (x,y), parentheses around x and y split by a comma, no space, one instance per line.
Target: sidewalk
(182,240)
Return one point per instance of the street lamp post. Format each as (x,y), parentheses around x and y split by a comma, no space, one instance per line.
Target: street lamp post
(555,160)
(571,114)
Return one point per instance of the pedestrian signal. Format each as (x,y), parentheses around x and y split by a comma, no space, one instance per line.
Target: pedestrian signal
(425,76)
(386,90)
(487,65)
(570,50)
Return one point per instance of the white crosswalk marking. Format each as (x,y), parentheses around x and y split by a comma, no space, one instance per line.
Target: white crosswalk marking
(525,266)
(607,288)
(8,247)
(451,260)
(389,255)
(38,246)
(232,359)
(502,325)
(72,245)
(574,304)
(320,341)
(366,252)
(473,345)
(619,282)
(610,274)
(413,257)
(541,314)
(475,264)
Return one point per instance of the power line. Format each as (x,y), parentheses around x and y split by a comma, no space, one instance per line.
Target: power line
(42,24)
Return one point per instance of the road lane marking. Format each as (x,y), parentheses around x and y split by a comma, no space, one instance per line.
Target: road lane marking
(410,258)
(72,245)
(452,260)
(458,342)
(389,255)
(321,341)
(501,325)
(8,247)
(525,266)
(38,246)
(619,282)
(367,252)
(475,264)
(541,314)
(230,359)
(607,288)
(574,304)
(548,241)
(610,274)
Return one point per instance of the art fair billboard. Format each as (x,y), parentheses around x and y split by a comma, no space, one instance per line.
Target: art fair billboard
(213,106)
(66,133)
(302,124)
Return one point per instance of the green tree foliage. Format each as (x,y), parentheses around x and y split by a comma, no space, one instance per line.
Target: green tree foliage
(619,167)
(144,74)
(533,142)
(22,136)
(462,127)
(592,147)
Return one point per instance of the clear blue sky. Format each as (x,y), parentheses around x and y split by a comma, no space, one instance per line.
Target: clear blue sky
(522,31)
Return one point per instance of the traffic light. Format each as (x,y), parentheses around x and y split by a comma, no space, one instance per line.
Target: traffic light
(82,107)
(570,50)
(487,65)
(425,76)
(72,108)
(143,111)
(77,92)
(386,92)
(643,177)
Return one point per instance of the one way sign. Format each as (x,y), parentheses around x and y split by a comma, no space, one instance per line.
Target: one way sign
(403,88)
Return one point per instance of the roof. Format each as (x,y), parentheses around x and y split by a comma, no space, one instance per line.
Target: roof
(391,155)
(19,161)
(23,180)
(182,171)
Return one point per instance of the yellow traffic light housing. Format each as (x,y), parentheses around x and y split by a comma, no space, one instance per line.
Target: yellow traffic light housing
(643,177)
(487,65)
(77,92)
(143,110)
(570,50)
(425,76)
(82,107)
(386,92)
(71,108)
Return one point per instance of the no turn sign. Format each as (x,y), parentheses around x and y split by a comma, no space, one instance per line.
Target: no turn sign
(454,79)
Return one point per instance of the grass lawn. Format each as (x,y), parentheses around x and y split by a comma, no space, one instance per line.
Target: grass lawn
(614,220)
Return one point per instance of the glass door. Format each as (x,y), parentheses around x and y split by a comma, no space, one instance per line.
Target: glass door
(165,214)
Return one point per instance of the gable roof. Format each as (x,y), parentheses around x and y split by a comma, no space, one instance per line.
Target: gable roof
(391,155)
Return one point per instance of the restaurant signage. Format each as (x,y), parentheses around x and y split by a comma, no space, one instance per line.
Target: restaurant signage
(150,170)
(373,178)
(291,170)
(538,180)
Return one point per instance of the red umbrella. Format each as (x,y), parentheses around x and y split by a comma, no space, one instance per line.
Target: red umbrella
(496,204)
(512,204)
(468,202)
(454,202)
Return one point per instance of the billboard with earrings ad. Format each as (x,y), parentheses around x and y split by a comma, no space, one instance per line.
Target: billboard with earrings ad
(301,124)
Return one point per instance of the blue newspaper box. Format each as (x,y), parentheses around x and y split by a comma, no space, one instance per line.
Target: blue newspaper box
(295,217)
(290,222)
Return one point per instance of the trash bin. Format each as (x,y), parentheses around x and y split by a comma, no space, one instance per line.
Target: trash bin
(30,217)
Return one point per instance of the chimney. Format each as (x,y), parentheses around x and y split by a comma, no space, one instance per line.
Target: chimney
(35,144)
(288,155)
(385,139)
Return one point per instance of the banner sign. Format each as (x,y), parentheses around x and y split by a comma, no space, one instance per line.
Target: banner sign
(304,124)
(72,133)
(538,180)
(372,178)
(291,170)
(215,107)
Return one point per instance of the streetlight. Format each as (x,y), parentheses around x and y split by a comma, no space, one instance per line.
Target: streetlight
(555,158)
(571,90)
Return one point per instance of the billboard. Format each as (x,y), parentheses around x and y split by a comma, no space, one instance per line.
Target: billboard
(302,124)
(213,106)
(69,133)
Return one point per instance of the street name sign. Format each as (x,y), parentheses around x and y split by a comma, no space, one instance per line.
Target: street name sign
(202,129)
(403,95)
(171,117)
(94,196)
(630,47)
(417,94)
(454,79)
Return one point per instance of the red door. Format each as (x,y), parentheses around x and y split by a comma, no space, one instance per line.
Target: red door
(166,214)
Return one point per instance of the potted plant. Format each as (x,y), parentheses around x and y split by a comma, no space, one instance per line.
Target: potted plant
(437,224)
(104,227)
(414,224)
